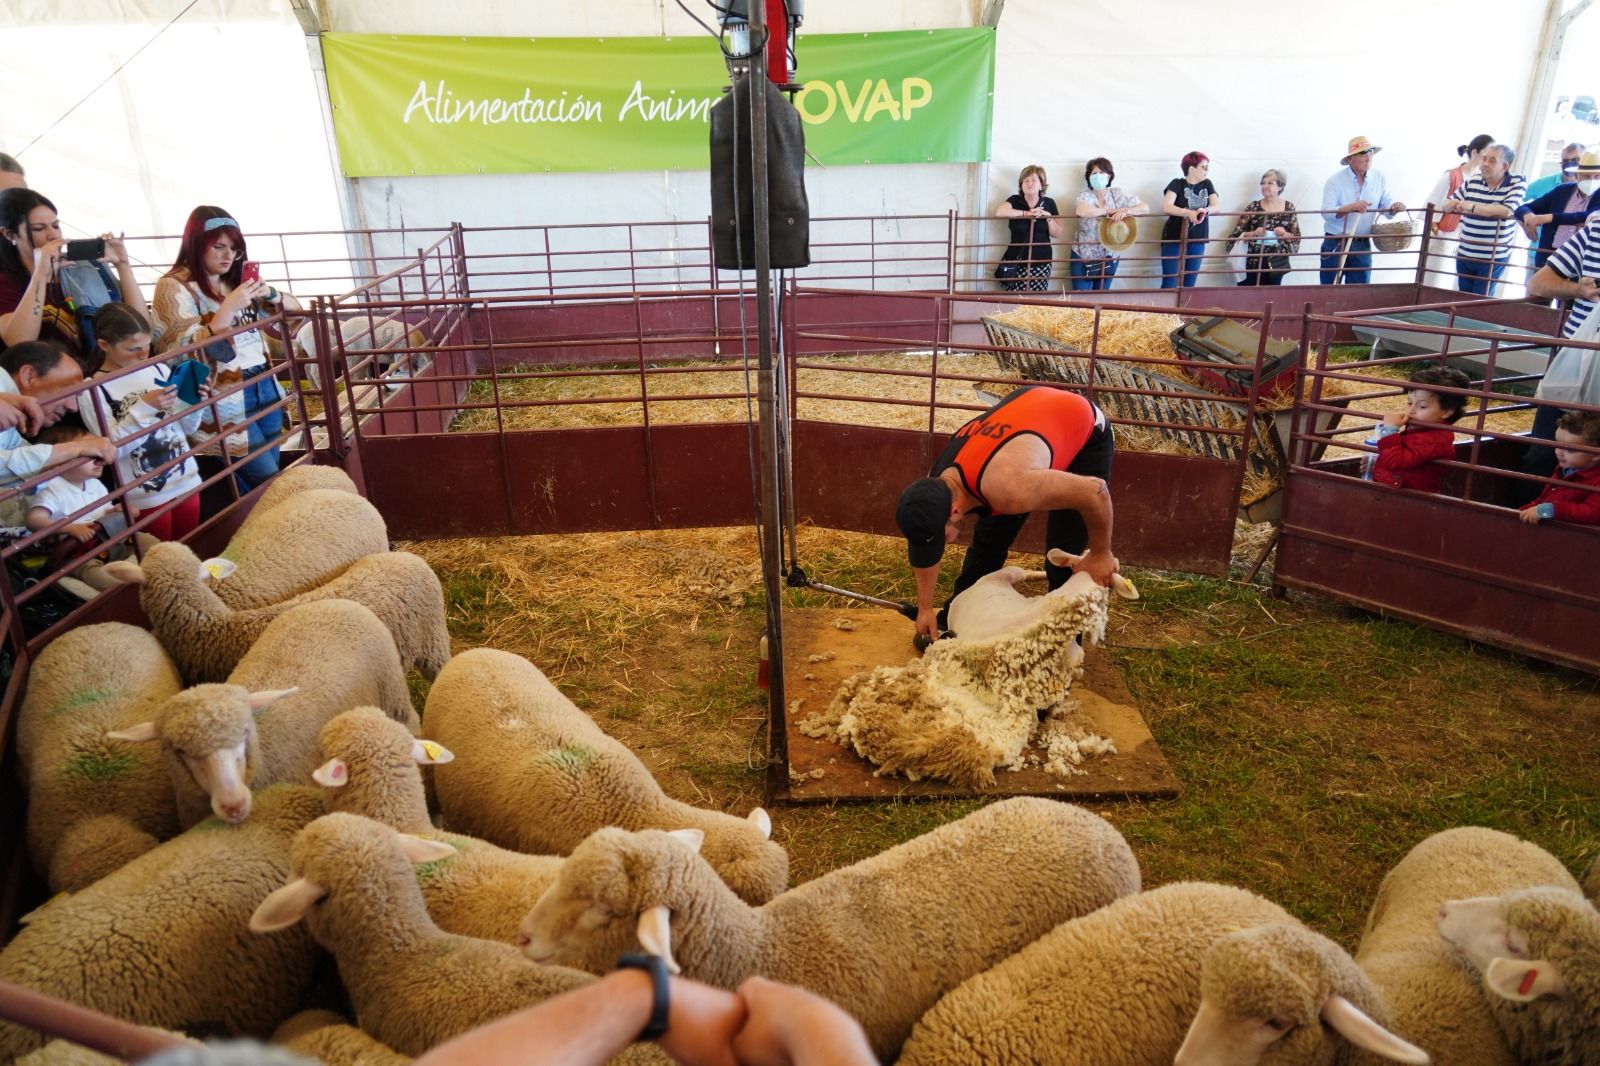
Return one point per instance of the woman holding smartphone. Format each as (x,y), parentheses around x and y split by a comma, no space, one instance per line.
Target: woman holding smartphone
(207,292)
(32,253)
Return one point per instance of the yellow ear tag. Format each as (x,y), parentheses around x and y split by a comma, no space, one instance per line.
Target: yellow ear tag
(433,749)
(215,570)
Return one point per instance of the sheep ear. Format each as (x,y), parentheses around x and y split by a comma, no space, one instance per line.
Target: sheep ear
(430,753)
(333,774)
(692,837)
(420,851)
(286,906)
(125,571)
(655,935)
(136,734)
(217,569)
(1523,981)
(258,700)
(1057,557)
(762,821)
(1350,1022)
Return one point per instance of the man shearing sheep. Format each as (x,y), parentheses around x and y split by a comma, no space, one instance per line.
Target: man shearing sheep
(1039,449)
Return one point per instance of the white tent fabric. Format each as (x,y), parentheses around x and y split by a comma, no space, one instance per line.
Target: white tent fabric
(224,106)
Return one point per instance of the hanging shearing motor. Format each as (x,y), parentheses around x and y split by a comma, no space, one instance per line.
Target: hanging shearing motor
(735,18)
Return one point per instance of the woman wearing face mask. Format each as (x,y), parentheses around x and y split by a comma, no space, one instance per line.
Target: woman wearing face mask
(1093,265)
(206,293)
(32,305)
(1270,228)
(1189,199)
(129,400)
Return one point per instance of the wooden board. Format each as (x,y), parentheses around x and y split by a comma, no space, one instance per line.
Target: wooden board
(883,638)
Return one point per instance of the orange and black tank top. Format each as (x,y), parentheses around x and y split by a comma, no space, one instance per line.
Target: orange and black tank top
(1063,420)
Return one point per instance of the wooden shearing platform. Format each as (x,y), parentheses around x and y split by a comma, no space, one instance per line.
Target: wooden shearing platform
(882,638)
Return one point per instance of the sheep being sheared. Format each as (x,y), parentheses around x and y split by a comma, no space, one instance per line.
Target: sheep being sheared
(972,703)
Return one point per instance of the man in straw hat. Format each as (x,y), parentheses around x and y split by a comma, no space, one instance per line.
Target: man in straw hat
(1553,216)
(1039,449)
(1348,199)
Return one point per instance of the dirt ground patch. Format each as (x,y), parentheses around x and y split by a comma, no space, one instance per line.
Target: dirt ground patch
(1315,743)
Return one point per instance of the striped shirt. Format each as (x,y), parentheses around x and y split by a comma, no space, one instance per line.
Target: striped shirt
(1490,238)
(1579,258)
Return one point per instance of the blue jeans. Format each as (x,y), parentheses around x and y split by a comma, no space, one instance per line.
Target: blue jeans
(1357,265)
(1477,275)
(262,392)
(1193,251)
(1091,274)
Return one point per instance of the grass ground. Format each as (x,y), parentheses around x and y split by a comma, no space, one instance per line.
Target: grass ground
(1315,743)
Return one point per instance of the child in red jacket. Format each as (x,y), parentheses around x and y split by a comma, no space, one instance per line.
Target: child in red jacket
(1406,455)
(1567,502)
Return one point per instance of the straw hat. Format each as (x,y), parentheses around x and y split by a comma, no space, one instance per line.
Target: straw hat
(1118,236)
(1358,145)
(1590,162)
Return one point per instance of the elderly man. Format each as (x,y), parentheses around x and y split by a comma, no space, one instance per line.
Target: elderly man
(1039,449)
(36,379)
(1486,204)
(12,175)
(1348,200)
(1549,218)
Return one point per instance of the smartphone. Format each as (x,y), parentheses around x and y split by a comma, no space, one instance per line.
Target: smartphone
(92,248)
(251,272)
(187,377)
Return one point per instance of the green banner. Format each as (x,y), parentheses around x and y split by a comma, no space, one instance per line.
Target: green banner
(512,105)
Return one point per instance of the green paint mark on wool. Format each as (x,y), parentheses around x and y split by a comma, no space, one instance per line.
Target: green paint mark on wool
(83,699)
(100,767)
(428,870)
(574,760)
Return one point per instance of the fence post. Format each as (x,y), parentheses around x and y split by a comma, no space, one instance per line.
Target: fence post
(458,252)
(950,253)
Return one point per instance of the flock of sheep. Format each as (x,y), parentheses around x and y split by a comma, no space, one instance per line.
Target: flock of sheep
(210,844)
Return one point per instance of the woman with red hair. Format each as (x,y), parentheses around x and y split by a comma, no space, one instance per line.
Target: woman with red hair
(206,293)
(1189,199)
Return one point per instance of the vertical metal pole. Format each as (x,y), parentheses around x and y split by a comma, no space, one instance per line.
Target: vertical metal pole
(766,386)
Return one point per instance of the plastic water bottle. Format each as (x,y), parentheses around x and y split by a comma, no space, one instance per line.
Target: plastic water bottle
(1370,460)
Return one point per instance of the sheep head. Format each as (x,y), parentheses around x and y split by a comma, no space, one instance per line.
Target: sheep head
(1537,950)
(371,768)
(209,736)
(347,854)
(171,564)
(615,888)
(743,853)
(1265,994)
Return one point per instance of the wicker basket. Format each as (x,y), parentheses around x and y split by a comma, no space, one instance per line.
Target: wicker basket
(1265,457)
(1394,236)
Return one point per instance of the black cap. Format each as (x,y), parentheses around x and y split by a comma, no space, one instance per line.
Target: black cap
(924,509)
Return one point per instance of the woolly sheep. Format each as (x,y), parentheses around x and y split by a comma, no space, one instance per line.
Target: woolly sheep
(970,705)
(535,774)
(992,607)
(1538,950)
(884,938)
(1120,986)
(1433,1001)
(93,803)
(208,638)
(311,663)
(411,984)
(325,1037)
(307,540)
(373,769)
(163,942)
(302,478)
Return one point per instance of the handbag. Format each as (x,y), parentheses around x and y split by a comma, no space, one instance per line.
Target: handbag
(1573,375)
(1008,269)
(1450,222)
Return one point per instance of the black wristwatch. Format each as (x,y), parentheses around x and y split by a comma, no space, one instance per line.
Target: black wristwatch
(660,1004)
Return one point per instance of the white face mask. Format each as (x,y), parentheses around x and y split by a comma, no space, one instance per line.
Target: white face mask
(1589,185)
